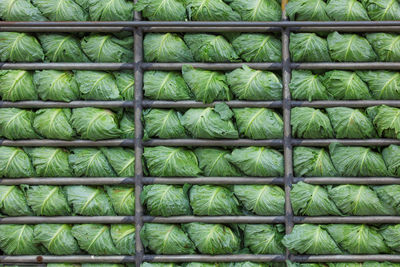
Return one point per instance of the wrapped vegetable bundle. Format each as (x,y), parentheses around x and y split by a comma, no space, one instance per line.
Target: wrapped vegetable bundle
(253,47)
(310,123)
(162,85)
(264,238)
(46,200)
(213,162)
(305,85)
(308,47)
(166,47)
(312,162)
(64,239)
(386,120)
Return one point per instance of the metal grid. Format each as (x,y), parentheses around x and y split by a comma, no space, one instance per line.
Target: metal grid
(139,27)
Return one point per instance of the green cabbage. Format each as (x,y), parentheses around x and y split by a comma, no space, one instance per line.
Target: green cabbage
(312,162)
(391,156)
(95,239)
(17,239)
(210,48)
(172,10)
(384,85)
(249,84)
(122,199)
(257,47)
(19,47)
(20,10)
(121,159)
(13,201)
(168,47)
(54,123)
(126,84)
(162,85)
(390,235)
(46,200)
(15,163)
(109,10)
(163,123)
(257,10)
(310,123)
(386,46)
(127,125)
(17,123)
(65,10)
(213,162)
(264,238)
(62,48)
(90,162)
(210,10)
(17,85)
(308,47)
(305,85)
(306,10)
(382,9)
(50,161)
(386,120)
(388,194)
(165,200)
(97,85)
(56,238)
(56,85)
(346,10)
(123,236)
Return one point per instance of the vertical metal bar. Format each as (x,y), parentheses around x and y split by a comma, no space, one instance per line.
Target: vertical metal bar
(287,144)
(138,52)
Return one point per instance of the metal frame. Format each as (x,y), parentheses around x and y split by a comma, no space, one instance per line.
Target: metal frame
(139,27)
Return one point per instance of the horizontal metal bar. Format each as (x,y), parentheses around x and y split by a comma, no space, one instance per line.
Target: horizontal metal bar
(65,29)
(67,259)
(348,180)
(75,143)
(67,66)
(346,258)
(337,24)
(215,219)
(345,103)
(347,29)
(197,104)
(212,142)
(346,65)
(211,66)
(67,219)
(215,258)
(347,219)
(69,181)
(348,142)
(211,180)
(211,29)
(72,104)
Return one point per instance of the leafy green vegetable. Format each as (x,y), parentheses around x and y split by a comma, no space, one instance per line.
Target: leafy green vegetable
(54,123)
(166,239)
(307,10)
(351,123)
(346,10)
(65,10)
(358,200)
(50,161)
(390,235)
(56,85)
(163,123)
(56,238)
(172,10)
(95,239)
(165,200)
(259,123)
(167,47)
(90,162)
(358,238)
(257,161)
(386,46)
(62,48)
(46,200)
(206,85)
(213,162)
(382,84)
(257,10)
(17,239)
(126,84)
(305,85)
(386,120)
(123,236)
(89,201)
(357,161)
(105,10)
(312,162)
(264,238)
(210,47)
(249,84)
(391,156)
(350,47)
(15,163)
(19,47)
(310,123)
(13,201)
(308,47)
(97,85)
(312,200)
(257,47)
(264,200)
(210,10)
(171,161)
(17,123)
(213,238)
(389,196)
(162,85)
(95,124)
(17,85)
(212,200)
(107,48)
(345,85)
(310,239)
(20,10)
(122,199)
(382,9)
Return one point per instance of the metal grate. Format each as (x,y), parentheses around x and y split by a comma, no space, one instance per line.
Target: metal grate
(139,27)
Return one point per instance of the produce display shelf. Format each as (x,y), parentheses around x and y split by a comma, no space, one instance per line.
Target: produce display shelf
(139,27)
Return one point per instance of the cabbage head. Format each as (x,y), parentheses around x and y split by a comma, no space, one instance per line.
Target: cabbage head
(308,47)
(163,123)
(391,156)
(264,238)
(314,10)
(384,85)
(213,239)
(171,161)
(162,85)
(56,238)
(90,162)
(126,84)
(167,47)
(249,84)
(95,239)
(13,201)
(56,85)
(210,48)
(257,161)
(165,200)
(97,85)
(161,10)
(213,162)
(390,234)
(20,10)
(382,9)
(46,200)
(345,10)
(388,195)
(50,161)
(123,236)
(305,85)
(66,10)
(310,123)
(257,10)
(62,48)
(127,125)
(312,162)
(15,163)
(213,200)
(122,199)
(19,47)
(166,239)
(121,159)
(17,123)
(17,85)
(18,239)
(386,120)
(54,123)
(257,47)
(386,46)
(210,10)
(115,10)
